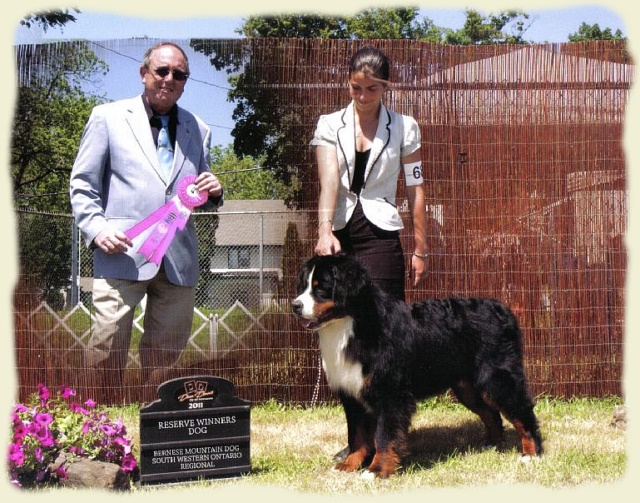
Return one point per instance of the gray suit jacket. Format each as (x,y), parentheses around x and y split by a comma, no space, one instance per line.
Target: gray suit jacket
(117,181)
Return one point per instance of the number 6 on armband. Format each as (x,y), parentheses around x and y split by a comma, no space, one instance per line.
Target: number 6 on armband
(413,173)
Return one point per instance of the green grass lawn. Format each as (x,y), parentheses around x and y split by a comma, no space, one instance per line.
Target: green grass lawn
(292,447)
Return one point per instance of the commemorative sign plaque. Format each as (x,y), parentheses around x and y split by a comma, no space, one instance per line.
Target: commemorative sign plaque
(196,429)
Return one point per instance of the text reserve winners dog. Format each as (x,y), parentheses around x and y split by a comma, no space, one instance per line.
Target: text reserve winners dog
(380,355)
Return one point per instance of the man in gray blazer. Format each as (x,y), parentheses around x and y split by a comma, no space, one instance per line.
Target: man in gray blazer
(117,180)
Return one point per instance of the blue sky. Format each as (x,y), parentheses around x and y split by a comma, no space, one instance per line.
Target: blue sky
(549,25)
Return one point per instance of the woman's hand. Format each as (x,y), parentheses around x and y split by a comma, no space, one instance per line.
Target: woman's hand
(327,244)
(418,269)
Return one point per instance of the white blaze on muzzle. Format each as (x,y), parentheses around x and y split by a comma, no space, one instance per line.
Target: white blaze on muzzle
(306,298)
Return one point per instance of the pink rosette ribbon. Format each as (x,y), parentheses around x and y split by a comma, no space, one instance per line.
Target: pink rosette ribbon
(168,219)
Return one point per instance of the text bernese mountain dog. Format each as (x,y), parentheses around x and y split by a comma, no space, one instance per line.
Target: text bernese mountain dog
(380,355)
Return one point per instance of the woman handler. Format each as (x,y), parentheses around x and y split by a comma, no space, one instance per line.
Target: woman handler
(360,152)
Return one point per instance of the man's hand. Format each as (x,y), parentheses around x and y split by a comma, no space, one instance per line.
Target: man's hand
(112,241)
(209,182)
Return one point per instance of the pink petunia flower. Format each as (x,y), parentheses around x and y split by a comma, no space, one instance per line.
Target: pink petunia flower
(76,450)
(77,408)
(19,432)
(36,426)
(128,463)
(44,436)
(43,418)
(16,454)
(20,408)
(108,430)
(66,391)
(61,473)
(43,392)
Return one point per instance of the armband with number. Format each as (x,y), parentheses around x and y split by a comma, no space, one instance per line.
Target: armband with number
(413,173)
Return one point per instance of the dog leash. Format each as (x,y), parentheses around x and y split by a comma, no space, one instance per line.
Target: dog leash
(316,390)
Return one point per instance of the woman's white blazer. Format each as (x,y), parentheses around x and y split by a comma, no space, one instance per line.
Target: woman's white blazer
(396,137)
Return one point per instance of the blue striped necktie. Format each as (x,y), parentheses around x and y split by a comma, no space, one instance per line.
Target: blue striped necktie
(165,150)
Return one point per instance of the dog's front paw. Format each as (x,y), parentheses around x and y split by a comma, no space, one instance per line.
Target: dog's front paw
(528,458)
(384,465)
(346,467)
(354,461)
(372,474)
(367,475)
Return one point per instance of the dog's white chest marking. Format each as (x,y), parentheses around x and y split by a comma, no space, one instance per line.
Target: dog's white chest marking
(342,373)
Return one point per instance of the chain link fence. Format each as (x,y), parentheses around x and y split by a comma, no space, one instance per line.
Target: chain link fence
(249,256)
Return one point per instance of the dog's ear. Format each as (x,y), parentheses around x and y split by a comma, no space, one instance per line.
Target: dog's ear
(352,275)
(337,280)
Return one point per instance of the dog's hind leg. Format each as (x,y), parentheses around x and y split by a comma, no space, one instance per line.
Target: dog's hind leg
(527,428)
(509,392)
(489,414)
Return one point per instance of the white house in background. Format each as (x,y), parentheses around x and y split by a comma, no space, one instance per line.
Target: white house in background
(246,264)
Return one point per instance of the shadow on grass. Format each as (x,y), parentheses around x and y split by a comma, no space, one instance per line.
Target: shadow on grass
(432,444)
(429,446)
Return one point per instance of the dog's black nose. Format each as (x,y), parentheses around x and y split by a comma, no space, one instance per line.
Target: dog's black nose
(297,307)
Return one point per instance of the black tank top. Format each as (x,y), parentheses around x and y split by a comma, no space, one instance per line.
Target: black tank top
(358,174)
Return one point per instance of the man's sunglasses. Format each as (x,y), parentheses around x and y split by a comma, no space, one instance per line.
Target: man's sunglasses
(163,71)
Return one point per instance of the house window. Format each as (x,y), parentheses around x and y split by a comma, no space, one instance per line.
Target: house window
(239,258)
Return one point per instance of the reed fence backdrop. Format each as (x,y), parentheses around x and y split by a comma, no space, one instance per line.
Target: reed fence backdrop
(526,191)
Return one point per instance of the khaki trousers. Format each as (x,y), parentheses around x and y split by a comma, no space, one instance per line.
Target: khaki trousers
(167,326)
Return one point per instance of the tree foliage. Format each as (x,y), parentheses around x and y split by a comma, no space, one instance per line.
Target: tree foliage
(49,117)
(51,110)
(294,26)
(505,27)
(391,24)
(368,24)
(593,32)
(49,18)
(245,178)
(44,254)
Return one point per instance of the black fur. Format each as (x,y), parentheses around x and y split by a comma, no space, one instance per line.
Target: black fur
(472,346)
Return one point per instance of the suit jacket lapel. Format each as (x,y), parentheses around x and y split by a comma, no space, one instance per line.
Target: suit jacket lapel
(139,124)
(140,129)
(380,142)
(347,141)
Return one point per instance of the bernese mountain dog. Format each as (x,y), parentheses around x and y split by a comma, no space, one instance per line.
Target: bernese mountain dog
(380,355)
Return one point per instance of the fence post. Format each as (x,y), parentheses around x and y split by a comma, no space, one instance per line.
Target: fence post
(74,291)
(213,334)
(261,286)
